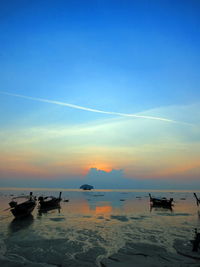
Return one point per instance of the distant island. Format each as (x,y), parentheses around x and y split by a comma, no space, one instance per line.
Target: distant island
(86,187)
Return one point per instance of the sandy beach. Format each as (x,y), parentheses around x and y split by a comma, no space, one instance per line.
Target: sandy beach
(101,228)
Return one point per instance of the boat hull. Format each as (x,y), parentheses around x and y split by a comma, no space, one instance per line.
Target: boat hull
(161,203)
(54,203)
(24,209)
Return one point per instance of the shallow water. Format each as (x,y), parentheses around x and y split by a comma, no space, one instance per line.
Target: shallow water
(93,226)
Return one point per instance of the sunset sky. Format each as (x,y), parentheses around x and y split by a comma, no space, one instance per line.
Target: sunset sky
(100,91)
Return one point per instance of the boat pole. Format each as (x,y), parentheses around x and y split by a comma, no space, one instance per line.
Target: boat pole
(198,201)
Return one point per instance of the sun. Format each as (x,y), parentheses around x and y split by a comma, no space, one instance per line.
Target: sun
(99,166)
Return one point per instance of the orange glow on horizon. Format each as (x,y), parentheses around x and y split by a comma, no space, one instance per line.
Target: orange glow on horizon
(180,169)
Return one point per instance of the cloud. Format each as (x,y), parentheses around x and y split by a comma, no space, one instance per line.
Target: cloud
(95,173)
(104,179)
(116,179)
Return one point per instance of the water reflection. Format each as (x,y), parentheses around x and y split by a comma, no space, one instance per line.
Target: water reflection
(18,224)
(48,210)
(157,208)
(103,210)
(198,213)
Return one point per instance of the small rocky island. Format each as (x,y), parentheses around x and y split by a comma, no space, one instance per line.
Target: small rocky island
(86,187)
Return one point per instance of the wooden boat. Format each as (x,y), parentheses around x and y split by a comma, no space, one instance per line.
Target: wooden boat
(49,202)
(161,202)
(197,199)
(23,209)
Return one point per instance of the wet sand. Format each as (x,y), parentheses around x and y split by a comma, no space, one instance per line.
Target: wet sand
(101,228)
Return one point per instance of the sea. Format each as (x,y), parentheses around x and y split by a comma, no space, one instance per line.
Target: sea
(100,228)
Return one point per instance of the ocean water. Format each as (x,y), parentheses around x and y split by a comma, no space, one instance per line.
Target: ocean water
(100,228)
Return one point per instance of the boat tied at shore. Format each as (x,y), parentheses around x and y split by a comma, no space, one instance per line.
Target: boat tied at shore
(161,202)
(23,209)
(49,202)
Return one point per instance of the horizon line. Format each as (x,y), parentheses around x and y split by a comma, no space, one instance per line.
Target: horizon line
(98,189)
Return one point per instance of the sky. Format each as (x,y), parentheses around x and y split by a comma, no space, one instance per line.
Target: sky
(102,91)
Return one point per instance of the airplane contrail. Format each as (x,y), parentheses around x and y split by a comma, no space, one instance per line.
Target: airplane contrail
(87,109)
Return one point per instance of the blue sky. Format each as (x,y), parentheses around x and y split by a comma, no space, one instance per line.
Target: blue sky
(139,57)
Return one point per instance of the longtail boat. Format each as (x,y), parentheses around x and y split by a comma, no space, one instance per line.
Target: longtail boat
(161,202)
(23,209)
(49,202)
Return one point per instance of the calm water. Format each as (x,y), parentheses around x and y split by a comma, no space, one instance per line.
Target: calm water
(92,226)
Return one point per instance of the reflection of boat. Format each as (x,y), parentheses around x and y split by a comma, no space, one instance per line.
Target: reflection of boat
(49,202)
(18,224)
(196,241)
(160,208)
(49,210)
(23,209)
(86,187)
(161,202)
(197,199)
